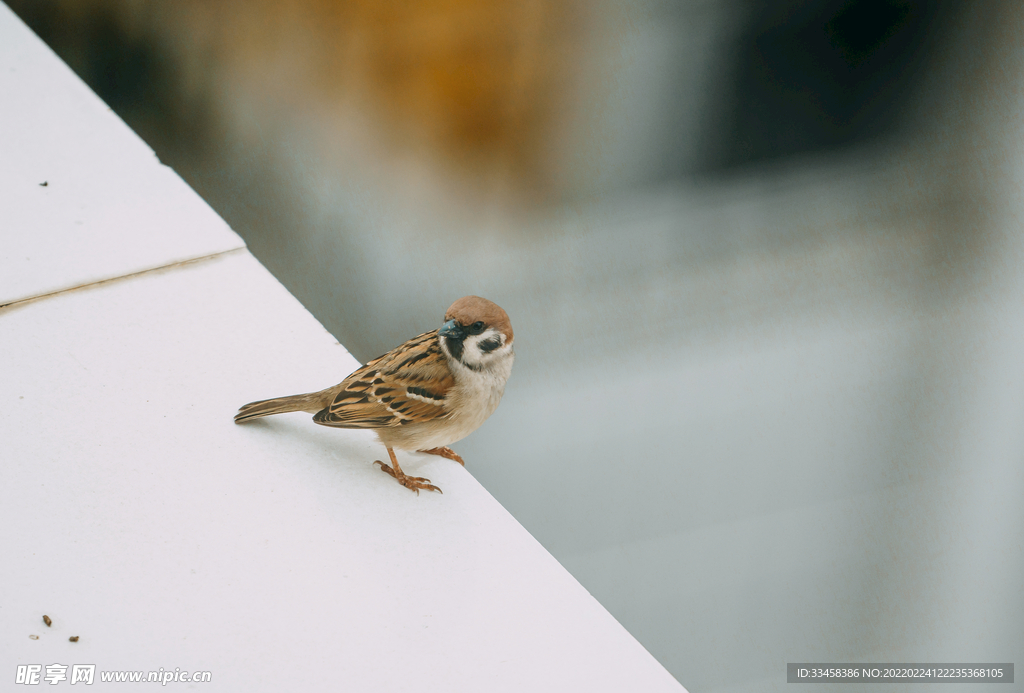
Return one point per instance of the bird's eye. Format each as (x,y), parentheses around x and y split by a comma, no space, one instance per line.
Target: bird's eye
(477,327)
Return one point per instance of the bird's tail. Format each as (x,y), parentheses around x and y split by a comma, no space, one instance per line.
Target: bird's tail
(311,402)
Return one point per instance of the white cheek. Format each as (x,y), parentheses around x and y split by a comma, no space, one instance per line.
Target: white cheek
(472,353)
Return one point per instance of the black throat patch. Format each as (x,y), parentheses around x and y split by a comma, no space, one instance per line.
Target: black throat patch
(455,347)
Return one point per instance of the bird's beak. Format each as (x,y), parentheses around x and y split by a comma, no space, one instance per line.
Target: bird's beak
(452,330)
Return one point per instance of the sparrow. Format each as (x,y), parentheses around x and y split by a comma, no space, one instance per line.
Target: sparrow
(424,395)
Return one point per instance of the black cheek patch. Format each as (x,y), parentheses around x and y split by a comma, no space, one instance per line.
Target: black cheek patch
(489,345)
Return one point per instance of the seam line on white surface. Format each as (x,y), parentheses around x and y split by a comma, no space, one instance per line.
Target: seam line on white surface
(21,301)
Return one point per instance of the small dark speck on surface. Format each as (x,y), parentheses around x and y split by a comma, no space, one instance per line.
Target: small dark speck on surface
(44,183)
(73,638)
(47,621)
(34,637)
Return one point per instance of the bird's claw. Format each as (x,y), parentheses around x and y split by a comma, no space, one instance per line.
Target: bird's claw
(446,453)
(413,483)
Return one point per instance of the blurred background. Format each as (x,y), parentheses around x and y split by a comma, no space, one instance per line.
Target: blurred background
(762,259)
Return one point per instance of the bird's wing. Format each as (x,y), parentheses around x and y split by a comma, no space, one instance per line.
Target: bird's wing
(406,385)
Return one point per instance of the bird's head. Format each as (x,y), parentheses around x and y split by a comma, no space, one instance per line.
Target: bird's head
(476,332)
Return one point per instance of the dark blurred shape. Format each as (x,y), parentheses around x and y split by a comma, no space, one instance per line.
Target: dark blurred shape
(127,72)
(127,65)
(861,27)
(821,75)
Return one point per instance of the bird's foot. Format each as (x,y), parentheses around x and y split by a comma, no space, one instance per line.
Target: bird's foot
(413,483)
(447,453)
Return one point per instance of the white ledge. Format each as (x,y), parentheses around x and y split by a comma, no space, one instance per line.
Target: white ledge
(140,518)
(108,208)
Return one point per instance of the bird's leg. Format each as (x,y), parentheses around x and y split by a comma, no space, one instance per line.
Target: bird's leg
(413,483)
(447,453)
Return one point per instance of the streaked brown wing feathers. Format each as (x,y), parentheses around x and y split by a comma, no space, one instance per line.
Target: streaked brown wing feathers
(407,384)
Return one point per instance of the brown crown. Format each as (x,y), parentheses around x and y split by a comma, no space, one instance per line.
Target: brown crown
(470,309)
